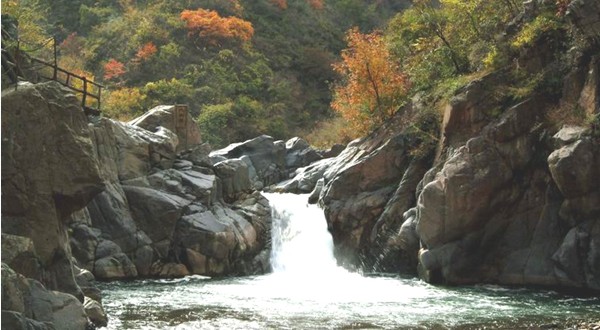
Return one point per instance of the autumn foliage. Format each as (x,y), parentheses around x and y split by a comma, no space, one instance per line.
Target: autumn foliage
(210,26)
(113,69)
(145,52)
(316,4)
(281,4)
(373,88)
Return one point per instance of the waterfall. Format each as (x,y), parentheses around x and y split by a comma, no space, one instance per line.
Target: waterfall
(301,243)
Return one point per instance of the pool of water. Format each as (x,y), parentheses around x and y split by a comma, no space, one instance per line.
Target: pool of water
(344,301)
(307,290)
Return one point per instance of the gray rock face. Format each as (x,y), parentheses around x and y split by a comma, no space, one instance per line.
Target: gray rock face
(43,124)
(585,14)
(27,304)
(267,156)
(165,117)
(494,213)
(299,153)
(134,227)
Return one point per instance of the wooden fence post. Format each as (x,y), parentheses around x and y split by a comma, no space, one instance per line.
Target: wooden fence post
(55,75)
(84,92)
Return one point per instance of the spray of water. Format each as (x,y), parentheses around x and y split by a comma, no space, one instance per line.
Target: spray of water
(301,242)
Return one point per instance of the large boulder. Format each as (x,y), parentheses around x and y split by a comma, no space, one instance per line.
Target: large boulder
(267,157)
(299,153)
(175,119)
(222,240)
(49,170)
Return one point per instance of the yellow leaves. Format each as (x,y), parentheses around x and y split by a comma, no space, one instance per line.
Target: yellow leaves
(209,25)
(124,104)
(373,87)
(531,31)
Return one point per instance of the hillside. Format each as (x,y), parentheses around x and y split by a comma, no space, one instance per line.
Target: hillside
(251,66)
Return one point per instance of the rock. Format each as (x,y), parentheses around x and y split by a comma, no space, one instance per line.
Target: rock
(573,165)
(166,116)
(139,150)
(334,151)
(214,242)
(267,156)
(466,114)
(114,267)
(169,270)
(44,124)
(358,185)
(585,14)
(299,153)
(313,198)
(95,312)
(16,321)
(235,177)
(569,134)
(155,212)
(199,155)
(257,184)
(18,252)
(35,307)
(205,187)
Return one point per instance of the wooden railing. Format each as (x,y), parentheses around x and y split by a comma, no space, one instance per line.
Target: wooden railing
(89,91)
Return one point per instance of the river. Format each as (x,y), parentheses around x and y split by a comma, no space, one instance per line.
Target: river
(307,290)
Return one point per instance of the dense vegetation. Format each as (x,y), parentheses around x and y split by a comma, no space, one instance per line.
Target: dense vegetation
(278,67)
(244,67)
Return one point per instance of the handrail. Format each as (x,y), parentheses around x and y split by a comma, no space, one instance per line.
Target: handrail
(70,77)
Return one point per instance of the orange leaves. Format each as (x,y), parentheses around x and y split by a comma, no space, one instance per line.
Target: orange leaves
(209,25)
(145,52)
(316,4)
(113,69)
(373,87)
(281,4)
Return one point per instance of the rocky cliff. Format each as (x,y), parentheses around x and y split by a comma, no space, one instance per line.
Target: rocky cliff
(509,195)
(92,198)
(49,170)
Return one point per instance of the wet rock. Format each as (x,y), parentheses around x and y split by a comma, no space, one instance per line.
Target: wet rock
(95,312)
(169,270)
(114,267)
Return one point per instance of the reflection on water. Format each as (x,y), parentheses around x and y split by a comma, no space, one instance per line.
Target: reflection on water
(309,291)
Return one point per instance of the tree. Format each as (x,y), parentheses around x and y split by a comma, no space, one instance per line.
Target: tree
(113,69)
(281,4)
(210,26)
(145,52)
(373,88)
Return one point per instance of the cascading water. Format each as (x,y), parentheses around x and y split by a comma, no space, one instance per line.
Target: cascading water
(301,243)
(308,290)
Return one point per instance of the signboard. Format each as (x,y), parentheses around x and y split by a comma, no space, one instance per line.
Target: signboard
(181,111)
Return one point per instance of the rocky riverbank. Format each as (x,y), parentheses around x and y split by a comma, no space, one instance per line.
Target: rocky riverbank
(92,198)
(506,197)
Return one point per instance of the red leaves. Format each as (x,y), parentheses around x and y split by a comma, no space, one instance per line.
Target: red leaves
(113,69)
(145,52)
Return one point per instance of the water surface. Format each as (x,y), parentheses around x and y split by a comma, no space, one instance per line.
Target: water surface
(307,290)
